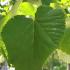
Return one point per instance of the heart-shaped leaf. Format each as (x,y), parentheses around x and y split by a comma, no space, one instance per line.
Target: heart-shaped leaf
(30,42)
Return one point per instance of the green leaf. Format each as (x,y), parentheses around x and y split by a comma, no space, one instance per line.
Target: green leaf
(30,42)
(46,2)
(65,44)
(26,8)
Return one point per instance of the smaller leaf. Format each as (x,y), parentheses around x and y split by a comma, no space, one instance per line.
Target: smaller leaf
(46,2)
(26,8)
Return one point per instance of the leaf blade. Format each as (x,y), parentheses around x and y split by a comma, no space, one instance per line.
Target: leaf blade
(35,37)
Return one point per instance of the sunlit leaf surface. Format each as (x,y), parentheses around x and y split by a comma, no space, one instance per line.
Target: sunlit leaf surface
(26,8)
(65,44)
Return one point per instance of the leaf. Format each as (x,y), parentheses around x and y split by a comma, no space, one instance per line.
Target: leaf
(26,8)
(46,2)
(65,44)
(30,42)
